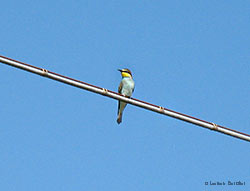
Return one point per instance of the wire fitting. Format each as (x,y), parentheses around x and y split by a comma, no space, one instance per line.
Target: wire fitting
(45,72)
(215,127)
(105,91)
(161,109)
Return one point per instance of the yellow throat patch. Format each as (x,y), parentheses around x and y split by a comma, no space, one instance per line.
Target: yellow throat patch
(125,74)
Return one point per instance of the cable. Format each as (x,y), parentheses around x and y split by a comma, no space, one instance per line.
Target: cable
(117,96)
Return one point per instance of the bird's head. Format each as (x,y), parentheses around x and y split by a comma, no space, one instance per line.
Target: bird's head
(125,73)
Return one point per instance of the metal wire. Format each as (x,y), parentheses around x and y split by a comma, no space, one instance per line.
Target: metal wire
(133,101)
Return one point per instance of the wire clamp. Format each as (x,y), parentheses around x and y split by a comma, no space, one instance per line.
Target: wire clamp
(161,109)
(45,72)
(215,127)
(105,91)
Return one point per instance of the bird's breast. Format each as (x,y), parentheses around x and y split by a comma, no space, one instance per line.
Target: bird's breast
(127,87)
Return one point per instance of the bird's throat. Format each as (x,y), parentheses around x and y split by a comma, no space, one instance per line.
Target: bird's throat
(125,74)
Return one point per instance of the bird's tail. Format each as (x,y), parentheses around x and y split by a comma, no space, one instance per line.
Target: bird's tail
(121,107)
(119,118)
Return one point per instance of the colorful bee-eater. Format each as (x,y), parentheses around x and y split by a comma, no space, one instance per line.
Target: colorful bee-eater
(126,88)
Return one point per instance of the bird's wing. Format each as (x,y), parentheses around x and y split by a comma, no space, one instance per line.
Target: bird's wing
(118,107)
(119,91)
(120,88)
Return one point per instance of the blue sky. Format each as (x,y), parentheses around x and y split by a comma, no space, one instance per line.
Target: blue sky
(188,56)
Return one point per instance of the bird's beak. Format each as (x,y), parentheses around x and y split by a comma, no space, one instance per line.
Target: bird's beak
(120,70)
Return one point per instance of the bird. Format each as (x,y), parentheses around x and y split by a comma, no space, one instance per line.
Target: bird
(126,88)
